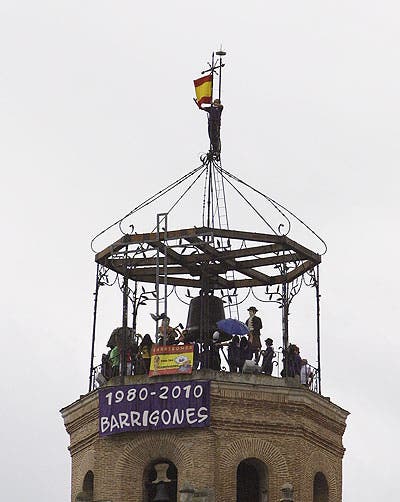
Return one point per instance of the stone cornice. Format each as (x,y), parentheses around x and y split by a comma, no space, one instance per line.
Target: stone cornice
(278,430)
(276,406)
(83,444)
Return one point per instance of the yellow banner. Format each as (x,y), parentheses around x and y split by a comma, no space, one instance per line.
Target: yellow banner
(171,359)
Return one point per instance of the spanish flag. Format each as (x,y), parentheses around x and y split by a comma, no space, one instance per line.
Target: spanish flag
(203,88)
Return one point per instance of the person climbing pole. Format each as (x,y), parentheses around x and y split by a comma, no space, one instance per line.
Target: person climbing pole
(214,124)
(204,95)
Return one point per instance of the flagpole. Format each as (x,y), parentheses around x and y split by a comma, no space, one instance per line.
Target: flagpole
(212,77)
(220,78)
(215,63)
(220,53)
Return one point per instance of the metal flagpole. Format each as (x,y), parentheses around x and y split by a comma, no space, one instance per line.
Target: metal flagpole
(318,328)
(96,295)
(220,53)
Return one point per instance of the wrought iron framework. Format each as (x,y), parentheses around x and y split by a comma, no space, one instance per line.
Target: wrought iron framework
(213,256)
(258,259)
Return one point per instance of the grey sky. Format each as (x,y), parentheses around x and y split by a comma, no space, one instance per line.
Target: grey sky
(97,113)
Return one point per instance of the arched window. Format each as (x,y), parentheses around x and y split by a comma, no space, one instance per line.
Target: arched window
(321,490)
(86,495)
(252,481)
(161,481)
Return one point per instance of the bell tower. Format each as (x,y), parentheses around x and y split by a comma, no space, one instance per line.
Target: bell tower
(217,410)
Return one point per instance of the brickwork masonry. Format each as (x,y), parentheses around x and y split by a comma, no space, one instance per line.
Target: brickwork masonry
(294,432)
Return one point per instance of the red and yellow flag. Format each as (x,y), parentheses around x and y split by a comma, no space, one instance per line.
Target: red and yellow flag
(203,88)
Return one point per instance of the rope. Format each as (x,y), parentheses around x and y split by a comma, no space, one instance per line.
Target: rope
(277,205)
(145,203)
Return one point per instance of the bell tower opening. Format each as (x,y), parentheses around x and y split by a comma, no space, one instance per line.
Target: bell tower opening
(321,490)
(86,495)
(160,482)
(251,481)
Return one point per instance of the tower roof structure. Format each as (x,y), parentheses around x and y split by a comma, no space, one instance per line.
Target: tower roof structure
(258,259)
(166,421)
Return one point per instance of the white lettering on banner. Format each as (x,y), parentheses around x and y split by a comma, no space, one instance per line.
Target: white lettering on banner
(143,394)
(124,420)
(176,391)
(137,419)
(104,424)
(163,393)
(131,395)
(154,417)
(189,414)
(114,423)
(119,396)
(176,419)
(202,414)
(130,408)
(165,420)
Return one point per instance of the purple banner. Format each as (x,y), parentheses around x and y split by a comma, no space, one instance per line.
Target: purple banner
(167,405)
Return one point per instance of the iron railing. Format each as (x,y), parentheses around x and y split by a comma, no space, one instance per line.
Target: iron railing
(308,377)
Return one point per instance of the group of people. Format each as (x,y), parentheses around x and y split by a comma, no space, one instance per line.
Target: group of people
(241,350)
(294,365)
(206,354)
(137,350)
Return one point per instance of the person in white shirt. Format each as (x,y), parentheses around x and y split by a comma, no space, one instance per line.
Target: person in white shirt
(306,374)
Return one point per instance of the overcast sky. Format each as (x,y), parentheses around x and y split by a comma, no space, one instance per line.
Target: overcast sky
(97,113)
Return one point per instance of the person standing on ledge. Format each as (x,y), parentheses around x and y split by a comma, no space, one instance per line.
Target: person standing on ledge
(254,324)
(268,355)
(214,124)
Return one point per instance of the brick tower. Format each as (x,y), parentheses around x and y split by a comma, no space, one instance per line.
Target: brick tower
(264,432)
(210,435)
(164,420)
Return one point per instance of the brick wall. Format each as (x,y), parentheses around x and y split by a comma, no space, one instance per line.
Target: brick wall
(293,431)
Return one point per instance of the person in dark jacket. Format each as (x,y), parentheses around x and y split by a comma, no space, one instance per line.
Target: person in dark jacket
(209,357)
(245,351)
(186,339)
(234,354)
(291,362)
(254,324)
(268,355)
(214,124)
(296,360)
(215,358)
(144,355)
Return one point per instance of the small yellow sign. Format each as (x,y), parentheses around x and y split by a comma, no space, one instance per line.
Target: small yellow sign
(171,359)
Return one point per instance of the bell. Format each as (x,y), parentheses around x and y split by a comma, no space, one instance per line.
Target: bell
(84,496)
(213,306)
(161,493)
(287,492)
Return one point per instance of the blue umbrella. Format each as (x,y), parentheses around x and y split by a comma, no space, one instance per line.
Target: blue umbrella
(232,327)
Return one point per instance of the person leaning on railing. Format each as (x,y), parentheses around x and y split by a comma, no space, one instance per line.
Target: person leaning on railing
(291,361)
(144,355)
(306,373)
(246,352)
(114,360)
(234,354)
